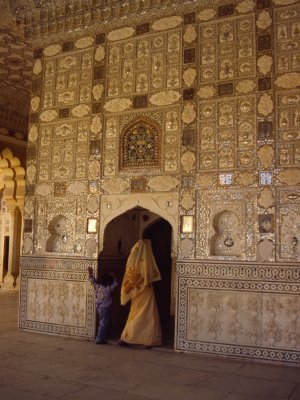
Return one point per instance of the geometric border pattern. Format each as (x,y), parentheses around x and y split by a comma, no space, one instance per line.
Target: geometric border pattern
(244,277)
(62,269)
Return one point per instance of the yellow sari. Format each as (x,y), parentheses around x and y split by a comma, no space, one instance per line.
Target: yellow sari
(143,323)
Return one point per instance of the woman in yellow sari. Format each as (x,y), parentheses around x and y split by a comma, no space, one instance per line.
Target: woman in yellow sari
(143,323)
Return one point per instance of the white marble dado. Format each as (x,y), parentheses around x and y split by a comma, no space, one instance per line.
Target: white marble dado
(56,296)
(56,302)
(239,309)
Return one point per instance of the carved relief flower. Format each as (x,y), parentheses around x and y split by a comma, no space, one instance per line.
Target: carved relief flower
(189,113)
(207,180)
(119,34)
(189,76)
(207,91)
(284,2)
(265,104)
(290,80)
(43,189)
(48,115)
(290,176)
(94,169)
(190,34)
(167,23)
(245,6)
(187,247)
(187,201)
(84,42)
(246,178)
(52,50)
(264,20)
(81,110)
(207,14)
(246,86)
(98,91)
(264,64)
(265,155)
(164,98)
(163,183)
(37,67)
(33,133)
(96,125)
(76,188)
(115,185)
(31,173)
(266,198)
(118,105)
(188,161)
(99,53)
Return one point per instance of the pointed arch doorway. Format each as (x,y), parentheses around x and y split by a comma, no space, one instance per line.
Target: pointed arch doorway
(119,237)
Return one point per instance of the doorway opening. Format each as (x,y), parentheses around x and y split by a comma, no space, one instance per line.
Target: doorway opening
(120,235)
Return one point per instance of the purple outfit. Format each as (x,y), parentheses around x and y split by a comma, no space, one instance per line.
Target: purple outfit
(103,301)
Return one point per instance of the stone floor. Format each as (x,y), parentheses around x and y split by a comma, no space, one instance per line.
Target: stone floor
(36,366)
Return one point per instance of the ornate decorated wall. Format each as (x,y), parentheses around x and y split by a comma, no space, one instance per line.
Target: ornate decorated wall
(188,109)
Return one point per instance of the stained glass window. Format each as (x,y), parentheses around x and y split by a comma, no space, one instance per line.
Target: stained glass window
(140,146)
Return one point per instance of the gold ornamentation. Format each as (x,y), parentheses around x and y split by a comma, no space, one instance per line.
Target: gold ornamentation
(266,198)
(189,76)
(190,34)
(266,155)
(91,247)
(246,178)
(96,125)
(52,50)
(37,67)
(189,113)
(188,161)
(264,20)
(84,42)
(245,6)
(264,64)
(48,115)
(68,62)
(164,98)
(289,176)
(207,180)
(265,104)
(187,201)
(120,34)
(167,23)
(81,110)
(115,185)
(163,183)
(207,91)
(290,80)
(206,15)
(118,105)
(100,53)
(246,86)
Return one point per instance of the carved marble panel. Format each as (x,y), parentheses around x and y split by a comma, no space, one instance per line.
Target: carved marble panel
(249,310)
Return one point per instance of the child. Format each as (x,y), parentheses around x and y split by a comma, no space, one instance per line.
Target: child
(103,291)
